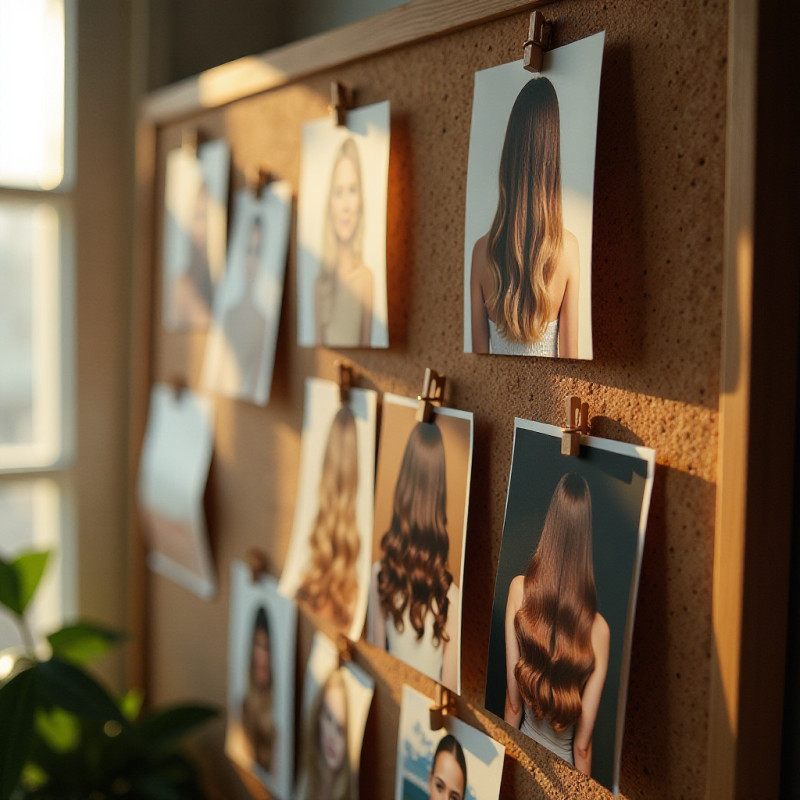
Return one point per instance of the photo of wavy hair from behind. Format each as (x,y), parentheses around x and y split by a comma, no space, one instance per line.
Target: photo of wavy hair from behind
(413,569)
(525,238)
(554,622)
(330,583)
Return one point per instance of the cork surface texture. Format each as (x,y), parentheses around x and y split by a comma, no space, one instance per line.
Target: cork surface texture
(657,304)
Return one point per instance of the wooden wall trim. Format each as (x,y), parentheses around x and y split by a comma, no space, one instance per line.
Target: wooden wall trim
(403,25)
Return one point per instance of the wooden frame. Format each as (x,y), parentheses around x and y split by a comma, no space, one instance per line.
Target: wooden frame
(749,586)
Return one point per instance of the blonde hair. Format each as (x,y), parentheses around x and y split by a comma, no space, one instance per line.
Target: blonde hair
(330,583)
(326,279)
(341,788)
(526,236)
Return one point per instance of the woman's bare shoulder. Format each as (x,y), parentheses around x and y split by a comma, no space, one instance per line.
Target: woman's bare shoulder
(516,589)
(601,633)
(480,252)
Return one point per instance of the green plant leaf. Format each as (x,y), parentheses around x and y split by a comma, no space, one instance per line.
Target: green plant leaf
(9,587)
(29,568)
(163,728)
(17,706)
(60,730)
(83,642)
(72,689)
(131,704)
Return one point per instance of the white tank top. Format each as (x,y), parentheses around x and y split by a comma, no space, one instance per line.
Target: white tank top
(546,346)
(422,653)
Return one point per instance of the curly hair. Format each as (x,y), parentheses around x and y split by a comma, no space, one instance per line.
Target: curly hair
(525,238)
(413,570)
(330,582)
(340,786)
(554,622)
(326,279)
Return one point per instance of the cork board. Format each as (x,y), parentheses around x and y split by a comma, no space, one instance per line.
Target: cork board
(654,380)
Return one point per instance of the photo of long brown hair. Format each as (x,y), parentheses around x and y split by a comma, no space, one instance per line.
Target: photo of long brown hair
(556,641)
(329,584)
(525,269)
(344,285)
(422,488)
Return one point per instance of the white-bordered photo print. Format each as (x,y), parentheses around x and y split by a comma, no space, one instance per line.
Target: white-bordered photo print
(421,509)
(458,762)
(341,231)
(565,594)
(195,233)
(173,472)
(530,194)
(327,567)
(336,703)
(240,353)
(261,680)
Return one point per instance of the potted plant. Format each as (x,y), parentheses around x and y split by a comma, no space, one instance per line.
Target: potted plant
(63,736)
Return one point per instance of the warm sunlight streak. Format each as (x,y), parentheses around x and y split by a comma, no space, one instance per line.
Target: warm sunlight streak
(32,93)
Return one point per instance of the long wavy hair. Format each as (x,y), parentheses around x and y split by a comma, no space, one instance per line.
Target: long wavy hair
(330,582)
(526,235)
(341,788)
(413,572)
(326,279)
(554,622)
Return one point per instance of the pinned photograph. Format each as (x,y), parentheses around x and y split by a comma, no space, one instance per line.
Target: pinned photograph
(421,504)
(327,567)
(455,763)
(341,231)
(336,702)
(530,195)
(173,471)
(565,594)
(195,233)
(240,354)
(261,680)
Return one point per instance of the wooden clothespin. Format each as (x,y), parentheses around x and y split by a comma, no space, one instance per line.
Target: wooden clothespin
(179,385)
(259,563)
(345,381)
(442,707)
(342,99)
(539,34)
(432,395)
(190,139)
(345,650)
(257,178)
(577,425)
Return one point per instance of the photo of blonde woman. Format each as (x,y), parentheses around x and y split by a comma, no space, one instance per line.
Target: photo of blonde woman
(341,231)
(530,193)
(330,552)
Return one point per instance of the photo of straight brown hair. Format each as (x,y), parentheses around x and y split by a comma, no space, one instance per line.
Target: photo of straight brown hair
(557,644)
(329,584)
(524,284)
(415,604)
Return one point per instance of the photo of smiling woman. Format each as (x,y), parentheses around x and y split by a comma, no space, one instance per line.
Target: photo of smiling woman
(455,763)
(341,231)
(415,595)
(530,193)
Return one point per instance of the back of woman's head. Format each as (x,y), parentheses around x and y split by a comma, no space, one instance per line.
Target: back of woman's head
(525,238)
(334,542)
(413,571)
(554,622)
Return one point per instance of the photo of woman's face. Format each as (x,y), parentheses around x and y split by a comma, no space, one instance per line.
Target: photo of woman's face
(345,207)
(261,658)
(333,728)
(446,778)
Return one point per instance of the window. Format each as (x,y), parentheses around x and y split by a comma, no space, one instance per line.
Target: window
(36,311)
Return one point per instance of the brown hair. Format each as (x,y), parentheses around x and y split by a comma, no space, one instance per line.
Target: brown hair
(413,570)
(554,622)
(525,238)
(326,279)
(330,579)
